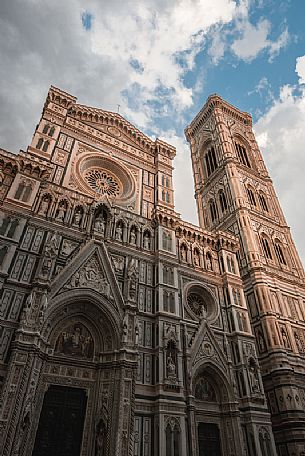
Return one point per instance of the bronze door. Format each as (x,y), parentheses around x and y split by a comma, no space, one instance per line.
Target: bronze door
(61,423)
(209,439)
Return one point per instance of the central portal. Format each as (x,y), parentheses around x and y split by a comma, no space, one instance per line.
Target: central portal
(209,439)
(61,423)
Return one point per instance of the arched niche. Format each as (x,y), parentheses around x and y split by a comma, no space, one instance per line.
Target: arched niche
(84,314)
(210,384)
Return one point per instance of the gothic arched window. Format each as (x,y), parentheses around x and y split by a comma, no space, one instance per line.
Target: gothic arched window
(46,128)
(251,196)
(223,201)
(172,439)
(213,210)
(39,143)
(210,161)
(262,201)
(266,248)
(242,155)
(45,146)
(52,131)
(279,253)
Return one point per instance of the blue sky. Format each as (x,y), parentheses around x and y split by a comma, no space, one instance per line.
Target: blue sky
(159,60)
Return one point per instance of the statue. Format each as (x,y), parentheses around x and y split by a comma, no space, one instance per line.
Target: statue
(209,263)
(132,279)
(61,213)
(171,368)
(44,206)
(99,224)
(196,258)
(133,237)
(146,241)
(254,382)
(125,329)
(50,253)
(183,253)
(118,233)
(77,217)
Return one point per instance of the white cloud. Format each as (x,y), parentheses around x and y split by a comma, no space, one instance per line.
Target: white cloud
(254,39)
(44,43)
(300,69)
(276,46)
(281,136)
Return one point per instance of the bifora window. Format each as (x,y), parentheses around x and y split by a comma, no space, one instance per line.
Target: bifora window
(266,248)
(242,155)
(251,196)
(262,201)
(102,182)
(279,253)
(210,161)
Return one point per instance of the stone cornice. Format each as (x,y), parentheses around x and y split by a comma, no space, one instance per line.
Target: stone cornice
(215,101)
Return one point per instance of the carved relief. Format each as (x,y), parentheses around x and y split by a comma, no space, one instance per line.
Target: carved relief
(91,276)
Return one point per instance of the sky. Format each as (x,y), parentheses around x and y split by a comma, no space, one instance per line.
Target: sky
(159,60)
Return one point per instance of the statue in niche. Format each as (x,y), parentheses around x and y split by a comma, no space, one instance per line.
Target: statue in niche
(132,279)
(133,236)
(61,213)
(183,251)
(146,241)
(125,329)
(170,367)
(51,250)
(118,232)
(99,224)
(171,361)
(100,439)
(44,206)
(209,262)
(253,377)
(76,341)
(77,217)
(196,258)
(204,391)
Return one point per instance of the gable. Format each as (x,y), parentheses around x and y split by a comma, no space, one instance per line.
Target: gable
(91,269)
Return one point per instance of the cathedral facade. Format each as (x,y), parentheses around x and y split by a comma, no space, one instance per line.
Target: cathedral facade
(127,331)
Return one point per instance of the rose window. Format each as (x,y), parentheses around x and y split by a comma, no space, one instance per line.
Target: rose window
(197,304)
(102,182)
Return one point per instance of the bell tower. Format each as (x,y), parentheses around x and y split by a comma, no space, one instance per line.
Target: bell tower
(234,193)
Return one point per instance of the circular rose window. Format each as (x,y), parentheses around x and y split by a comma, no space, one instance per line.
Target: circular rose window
(102,176)
(196,304)
(201,302)
(102,182)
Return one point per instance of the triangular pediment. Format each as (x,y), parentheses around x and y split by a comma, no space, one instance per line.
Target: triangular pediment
(206,348)
(91,269)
